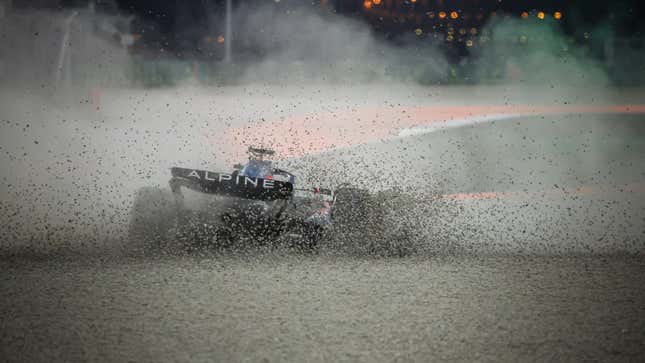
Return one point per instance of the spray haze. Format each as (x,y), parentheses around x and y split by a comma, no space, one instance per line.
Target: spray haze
(81,135)
(536,52)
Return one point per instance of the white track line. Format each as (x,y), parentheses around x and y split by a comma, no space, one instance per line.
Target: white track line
(455,123)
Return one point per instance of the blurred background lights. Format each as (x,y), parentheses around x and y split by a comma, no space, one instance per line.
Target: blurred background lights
(454,15)
(442,14)
(557,15)
(525,15)
(367,4)
(540,15)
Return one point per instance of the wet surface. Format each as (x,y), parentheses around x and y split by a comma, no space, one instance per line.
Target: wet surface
(269,307)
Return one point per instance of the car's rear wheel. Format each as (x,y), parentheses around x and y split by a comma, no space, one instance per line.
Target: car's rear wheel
(152,214)
(356,219)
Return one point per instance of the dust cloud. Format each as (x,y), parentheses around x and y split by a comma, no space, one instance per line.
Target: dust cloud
(536,52)
(79,136)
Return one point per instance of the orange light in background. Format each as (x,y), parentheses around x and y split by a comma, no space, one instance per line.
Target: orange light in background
(367,4)
(557,15)
(220,39)
(413,1)
(525,15)
(442,14)
(376,2)
(454,15)
(540,15)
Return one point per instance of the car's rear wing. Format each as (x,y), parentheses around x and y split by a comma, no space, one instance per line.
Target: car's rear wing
(232,184)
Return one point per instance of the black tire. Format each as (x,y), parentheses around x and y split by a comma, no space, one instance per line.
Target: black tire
(357,218)
(353,208)
(198,232)
(308,238)
(153,214)
(313,234)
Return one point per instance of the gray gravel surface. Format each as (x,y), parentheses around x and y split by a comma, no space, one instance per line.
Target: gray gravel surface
(550,274)
(269,307)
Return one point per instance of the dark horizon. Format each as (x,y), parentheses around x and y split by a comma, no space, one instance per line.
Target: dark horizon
(172,15)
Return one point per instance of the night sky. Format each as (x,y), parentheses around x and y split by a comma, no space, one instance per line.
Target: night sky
(625,15)
(179,26)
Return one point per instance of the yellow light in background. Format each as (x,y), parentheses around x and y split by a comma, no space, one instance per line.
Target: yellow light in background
(469,43)
(540,15)
(525,15)
(454,15)
(449,38)
(367,4)
(557,15)
(220,39)
(442,14)
(418,31)
(376,2)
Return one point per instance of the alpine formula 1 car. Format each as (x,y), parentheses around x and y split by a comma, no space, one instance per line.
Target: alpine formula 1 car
(255,203)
